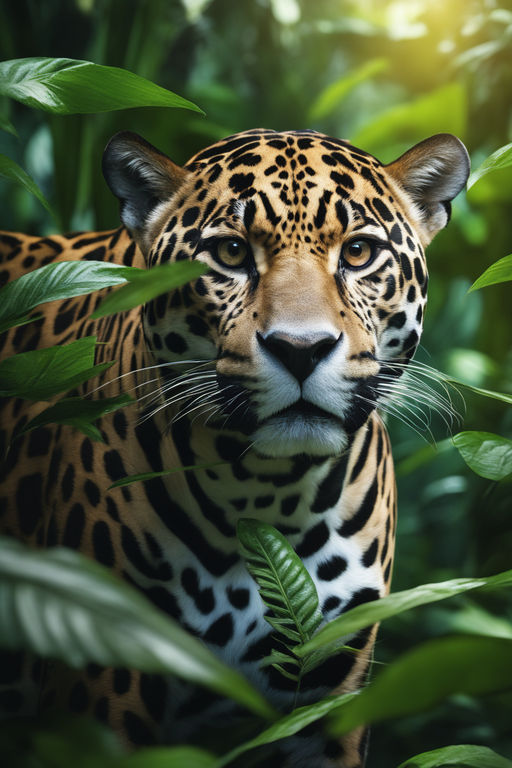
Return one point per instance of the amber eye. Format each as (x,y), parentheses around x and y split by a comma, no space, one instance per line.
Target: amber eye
(232,252)
(358,253)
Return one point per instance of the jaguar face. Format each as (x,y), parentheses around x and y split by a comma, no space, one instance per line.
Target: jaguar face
(317,277)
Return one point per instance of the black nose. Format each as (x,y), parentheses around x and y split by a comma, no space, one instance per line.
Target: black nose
(299,354)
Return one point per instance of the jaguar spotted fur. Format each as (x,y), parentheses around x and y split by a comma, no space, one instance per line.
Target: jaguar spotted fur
(272,362)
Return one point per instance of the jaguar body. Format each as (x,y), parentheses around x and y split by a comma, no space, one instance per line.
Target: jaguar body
(272,366)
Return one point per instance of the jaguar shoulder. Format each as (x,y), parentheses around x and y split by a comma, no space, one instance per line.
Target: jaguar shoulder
(274,362)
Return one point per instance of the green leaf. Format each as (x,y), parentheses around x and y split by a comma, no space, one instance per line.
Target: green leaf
(150,475)
(11,170)
(281,575)
(486,454)
(499,272)
(53,282)
(285,587)
(77,412)
(500,159)
(59,604)
(70,86)
(504,397)
(290,725)
(464,755)
(42,373)
(426,676)
(145,285)
(377,610)
(331,97)
(441,111)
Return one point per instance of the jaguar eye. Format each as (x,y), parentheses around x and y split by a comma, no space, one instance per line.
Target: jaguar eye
(232,252)
(358,253)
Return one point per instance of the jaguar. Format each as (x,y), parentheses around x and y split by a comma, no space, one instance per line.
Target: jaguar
(272,366)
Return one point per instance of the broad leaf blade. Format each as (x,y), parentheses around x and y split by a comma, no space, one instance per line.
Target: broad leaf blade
(426,676)
(11,170)
(486,454)
(43,373)
(148,284)
(60,604)
(499,272)
(377,610)
(466,755)
(290,724)
(53,282)
(500,159)
(71,86)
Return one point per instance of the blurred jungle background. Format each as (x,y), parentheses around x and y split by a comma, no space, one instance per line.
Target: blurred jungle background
(384,75)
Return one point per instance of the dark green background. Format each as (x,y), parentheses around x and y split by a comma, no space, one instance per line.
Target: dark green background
(446,66)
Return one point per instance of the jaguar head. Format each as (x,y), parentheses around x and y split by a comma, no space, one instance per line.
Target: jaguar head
(317,278)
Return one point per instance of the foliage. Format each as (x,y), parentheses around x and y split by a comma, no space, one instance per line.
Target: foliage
(66,86)
(106,621)
(387,74)
(287,590)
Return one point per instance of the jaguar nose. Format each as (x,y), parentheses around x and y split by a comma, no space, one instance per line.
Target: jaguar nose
(299,354)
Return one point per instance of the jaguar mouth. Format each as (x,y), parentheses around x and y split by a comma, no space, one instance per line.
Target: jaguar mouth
(306,410)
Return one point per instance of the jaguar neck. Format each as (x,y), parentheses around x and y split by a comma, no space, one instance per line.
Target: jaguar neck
(236,482)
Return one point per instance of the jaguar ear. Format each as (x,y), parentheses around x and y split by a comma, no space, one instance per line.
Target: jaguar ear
(432,173)
(141,177)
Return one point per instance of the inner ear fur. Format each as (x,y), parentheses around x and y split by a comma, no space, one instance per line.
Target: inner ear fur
(142,178)
(432,173)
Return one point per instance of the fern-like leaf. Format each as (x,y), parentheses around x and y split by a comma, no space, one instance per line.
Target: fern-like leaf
(285,587)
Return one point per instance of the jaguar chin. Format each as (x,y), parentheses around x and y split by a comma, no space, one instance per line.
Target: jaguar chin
(302,428)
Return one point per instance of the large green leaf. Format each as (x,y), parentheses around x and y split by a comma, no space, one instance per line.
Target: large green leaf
(145,285)
(52,282)
(486,454)
(441,111)
(377,610)
(62,605)
(11,170)
(289,725)
(463,755)
(428,675)
(70,86)
(499,272)
(43,373)
(500,159)
(331,97)
(285,587)
(77,412)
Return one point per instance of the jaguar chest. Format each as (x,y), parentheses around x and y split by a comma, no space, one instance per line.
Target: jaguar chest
(337,513)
